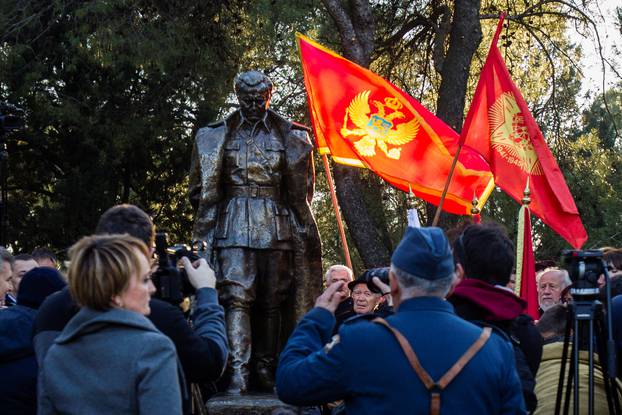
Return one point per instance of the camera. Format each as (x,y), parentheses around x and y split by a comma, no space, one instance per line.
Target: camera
(584,269)
(381,273)
(171,282)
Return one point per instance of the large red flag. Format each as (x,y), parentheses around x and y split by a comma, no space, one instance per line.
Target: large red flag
(363,120)
(501,128)
(526,264)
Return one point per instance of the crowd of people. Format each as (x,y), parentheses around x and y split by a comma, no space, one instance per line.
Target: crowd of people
(439,330)
(101,344)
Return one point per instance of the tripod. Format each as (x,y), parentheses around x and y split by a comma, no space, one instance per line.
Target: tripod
(590,326)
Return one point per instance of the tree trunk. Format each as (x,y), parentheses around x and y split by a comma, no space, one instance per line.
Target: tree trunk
(465,37)
(356,29)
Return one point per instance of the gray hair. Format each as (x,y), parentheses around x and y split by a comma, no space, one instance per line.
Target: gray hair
(6,256)
(337,267)
(417,286)
(566,281)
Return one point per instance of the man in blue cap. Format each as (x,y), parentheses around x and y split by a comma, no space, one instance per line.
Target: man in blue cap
(423,359)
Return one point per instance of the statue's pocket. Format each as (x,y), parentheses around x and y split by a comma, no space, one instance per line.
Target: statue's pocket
(283,224)
(274,154)
(232,153)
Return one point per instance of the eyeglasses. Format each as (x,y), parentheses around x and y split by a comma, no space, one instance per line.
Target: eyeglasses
(611,268)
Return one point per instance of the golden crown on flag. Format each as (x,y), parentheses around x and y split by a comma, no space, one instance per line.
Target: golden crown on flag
(509,135)
(378,129)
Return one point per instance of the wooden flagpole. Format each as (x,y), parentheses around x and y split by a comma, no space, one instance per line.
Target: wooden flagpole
(333,197)
(437,214)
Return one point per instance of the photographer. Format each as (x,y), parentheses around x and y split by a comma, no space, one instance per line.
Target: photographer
(202,348)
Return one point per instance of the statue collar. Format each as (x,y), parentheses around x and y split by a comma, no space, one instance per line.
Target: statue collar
(253,125)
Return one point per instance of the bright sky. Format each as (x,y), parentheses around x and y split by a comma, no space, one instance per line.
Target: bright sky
(611,39)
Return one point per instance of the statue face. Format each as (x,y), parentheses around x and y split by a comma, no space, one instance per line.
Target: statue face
(254,104)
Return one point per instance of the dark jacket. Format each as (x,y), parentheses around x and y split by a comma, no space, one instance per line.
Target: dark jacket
(18,366)
(365,366)
(113,362)
(480,302)
(202,349)
(344,311)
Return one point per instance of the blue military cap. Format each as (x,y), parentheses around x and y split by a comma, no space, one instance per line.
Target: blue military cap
(424,253)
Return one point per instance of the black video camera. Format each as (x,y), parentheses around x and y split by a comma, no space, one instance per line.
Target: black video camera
(381,273)
(171,282)
(584,269)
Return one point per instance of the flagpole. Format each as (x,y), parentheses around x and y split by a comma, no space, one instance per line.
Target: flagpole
(520,239)
(333,197)
(437,214)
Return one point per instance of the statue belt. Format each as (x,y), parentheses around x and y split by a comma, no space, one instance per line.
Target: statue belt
(253,191)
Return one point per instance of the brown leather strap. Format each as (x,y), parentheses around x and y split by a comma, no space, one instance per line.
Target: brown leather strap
(435,403)
(468,355)
(435,387)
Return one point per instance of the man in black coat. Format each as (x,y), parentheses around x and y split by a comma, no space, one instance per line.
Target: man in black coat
(202,348)
(484,257)
(18,366)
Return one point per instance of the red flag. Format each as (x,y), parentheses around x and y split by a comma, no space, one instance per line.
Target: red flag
(363,120)
(501,128)
(525,264)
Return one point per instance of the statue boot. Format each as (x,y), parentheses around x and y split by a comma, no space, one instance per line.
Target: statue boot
(266,350)
(238,330)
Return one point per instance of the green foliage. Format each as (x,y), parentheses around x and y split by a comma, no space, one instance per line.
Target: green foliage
(113,92)
(605,119)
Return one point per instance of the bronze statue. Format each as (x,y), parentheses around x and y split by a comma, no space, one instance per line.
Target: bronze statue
(251,183)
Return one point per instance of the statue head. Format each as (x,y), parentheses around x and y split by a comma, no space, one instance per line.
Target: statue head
(254,90)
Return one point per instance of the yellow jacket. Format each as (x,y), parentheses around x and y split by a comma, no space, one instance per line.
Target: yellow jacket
(548,378)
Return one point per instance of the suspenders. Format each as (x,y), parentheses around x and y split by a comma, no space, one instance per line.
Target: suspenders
(433,387)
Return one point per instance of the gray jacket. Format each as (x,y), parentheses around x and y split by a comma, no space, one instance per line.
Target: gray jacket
(113,362)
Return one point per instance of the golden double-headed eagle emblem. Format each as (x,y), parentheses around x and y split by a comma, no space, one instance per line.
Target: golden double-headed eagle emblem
(509,135)
(378,129)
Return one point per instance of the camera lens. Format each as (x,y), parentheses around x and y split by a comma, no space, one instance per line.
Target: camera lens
(381,273)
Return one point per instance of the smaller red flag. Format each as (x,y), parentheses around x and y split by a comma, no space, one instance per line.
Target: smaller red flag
(525,264)
(501,128)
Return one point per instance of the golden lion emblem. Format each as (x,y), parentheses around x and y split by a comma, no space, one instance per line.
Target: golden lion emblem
(378,129)
(509,135)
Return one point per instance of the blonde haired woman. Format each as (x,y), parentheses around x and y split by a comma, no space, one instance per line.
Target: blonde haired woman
(110,358)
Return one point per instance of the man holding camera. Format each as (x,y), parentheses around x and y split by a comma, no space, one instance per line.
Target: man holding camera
(202,348)
(425,358)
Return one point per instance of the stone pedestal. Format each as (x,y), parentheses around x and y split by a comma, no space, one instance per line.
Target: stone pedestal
(254,404)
